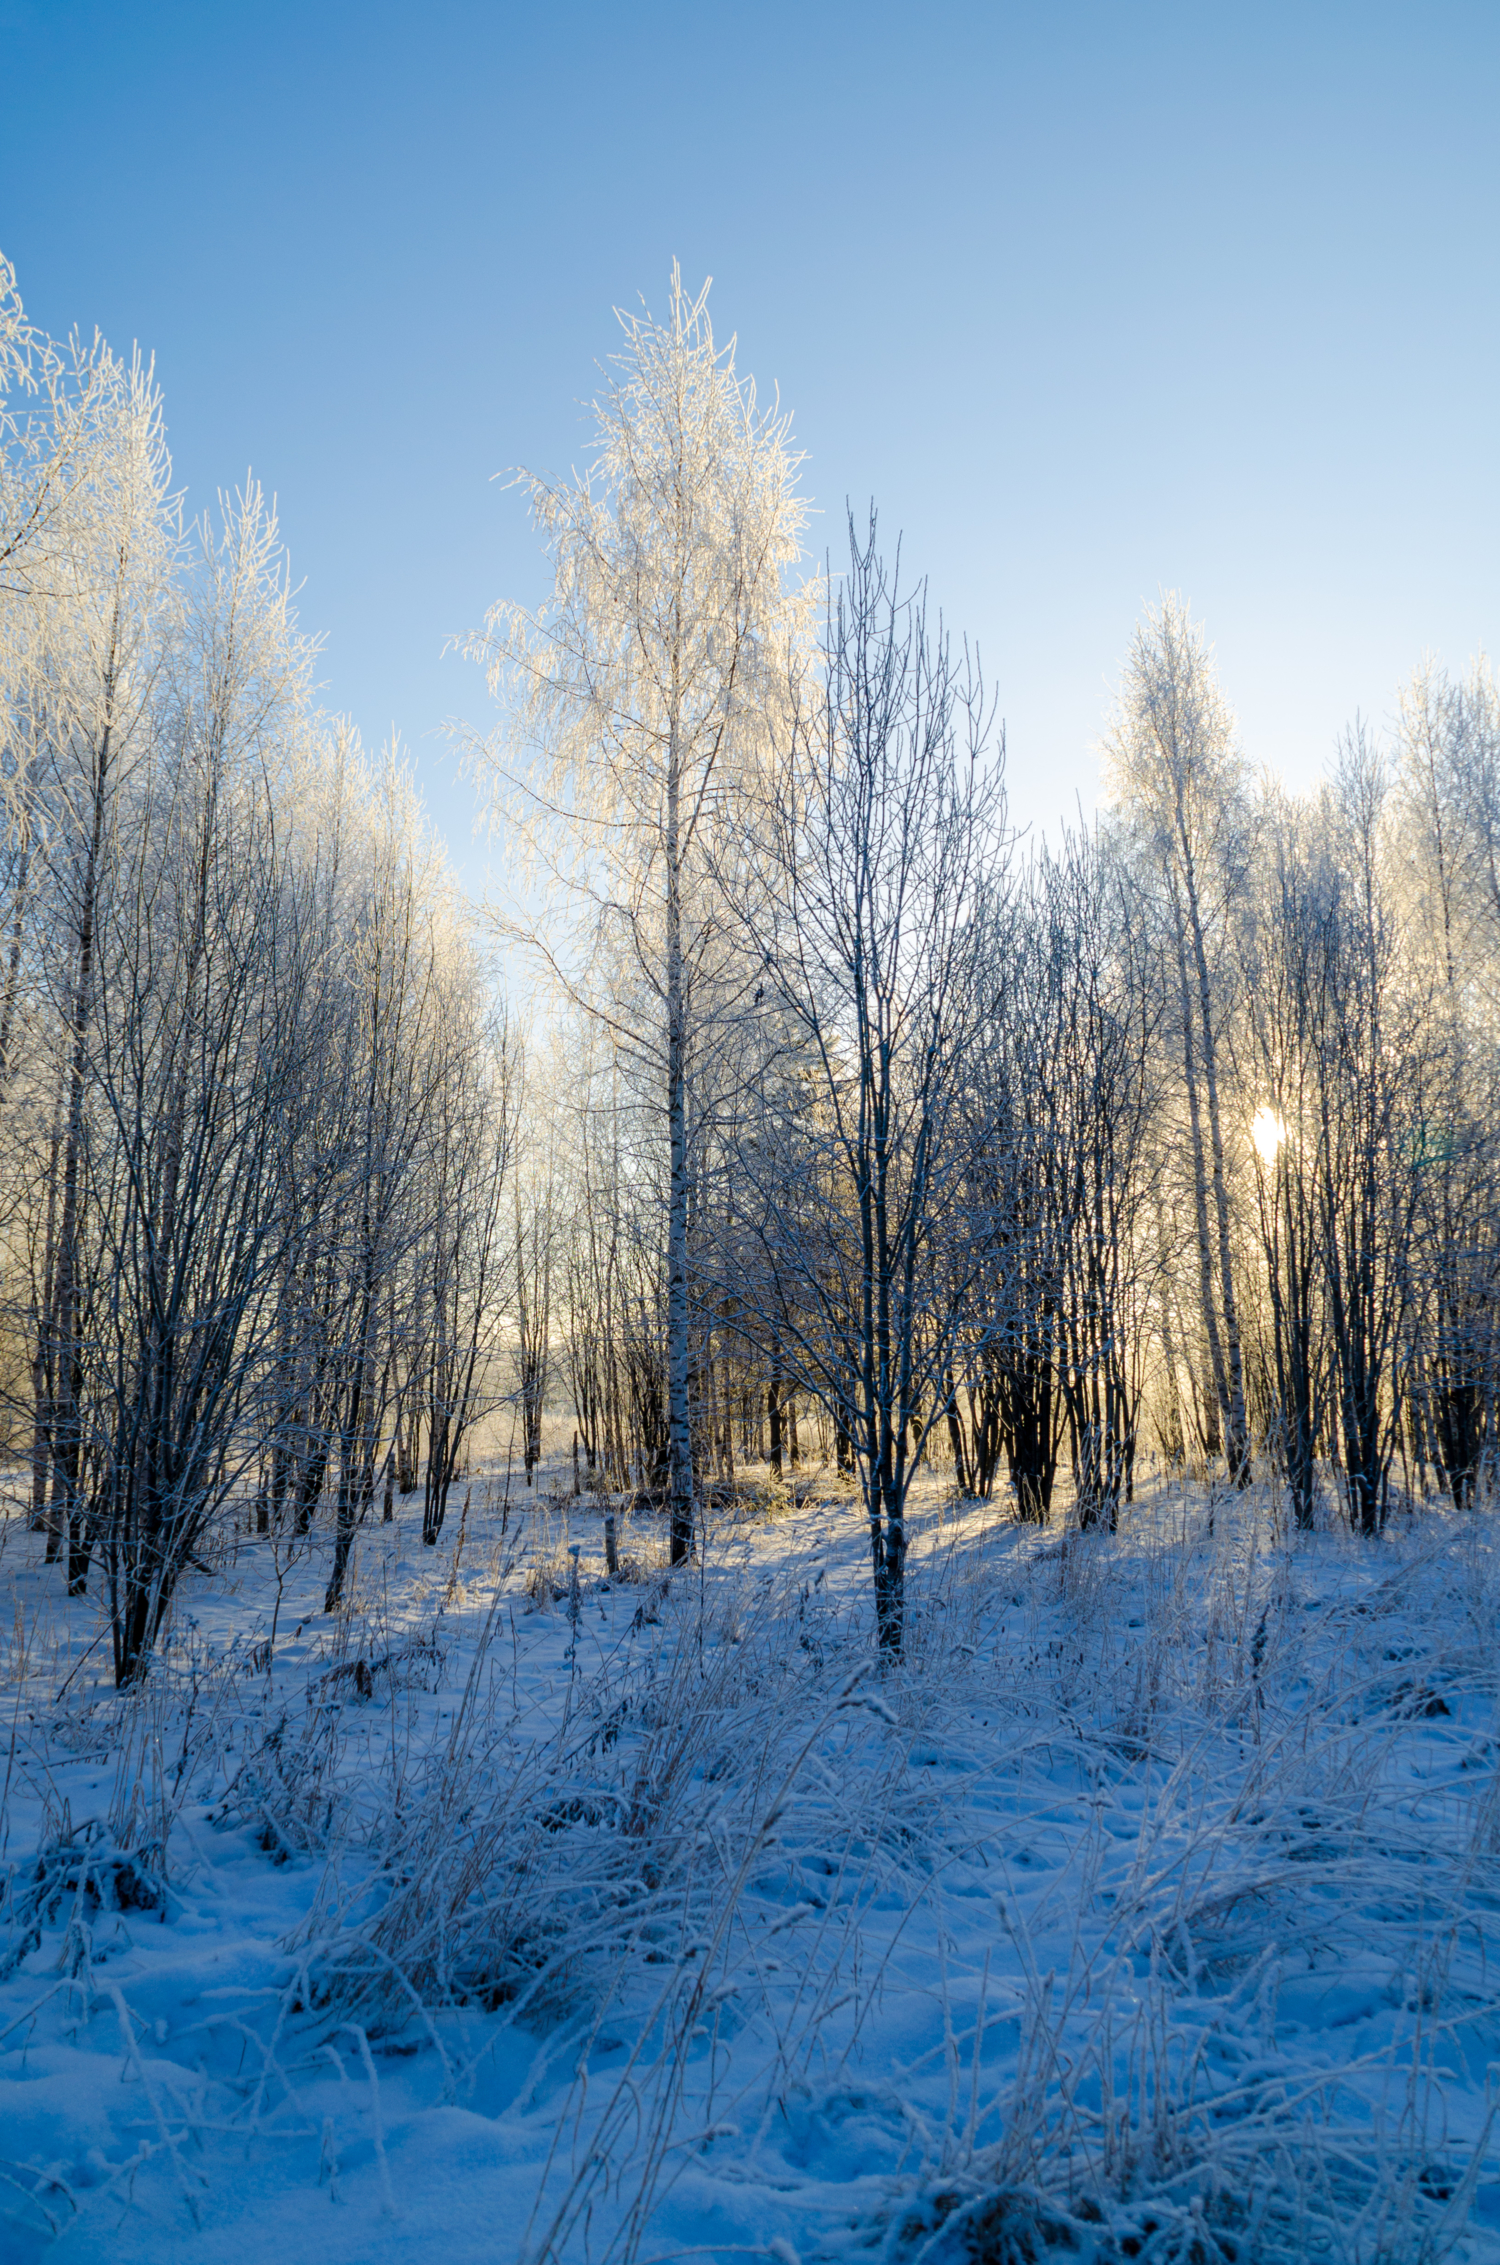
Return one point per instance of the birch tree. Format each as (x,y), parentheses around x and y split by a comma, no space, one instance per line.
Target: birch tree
(1447,763)
(1179,777)
(885,822)
(638,696)
(1373,1072)
(103,653)
(1296,887)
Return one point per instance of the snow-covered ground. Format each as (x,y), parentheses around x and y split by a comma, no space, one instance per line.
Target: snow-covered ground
(1148,1907)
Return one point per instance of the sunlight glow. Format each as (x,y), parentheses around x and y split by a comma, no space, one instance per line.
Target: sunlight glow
(1268,1131)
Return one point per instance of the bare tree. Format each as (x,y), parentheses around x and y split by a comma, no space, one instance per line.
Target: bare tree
(1447,770)
(198,1055)
(102,655)
(1284,1004)
(876,836)
(471,1153)
(644,688)
(1062,1096)
(1372,1070)
(1179,778)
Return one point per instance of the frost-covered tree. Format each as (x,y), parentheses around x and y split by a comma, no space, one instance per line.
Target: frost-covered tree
(1179,778)
(638,699)
(878,837)
(254,1126)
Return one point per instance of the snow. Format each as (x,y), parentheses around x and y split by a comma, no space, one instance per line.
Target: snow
(1150,1899)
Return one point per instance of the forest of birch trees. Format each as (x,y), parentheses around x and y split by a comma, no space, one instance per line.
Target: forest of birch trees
(833,1120)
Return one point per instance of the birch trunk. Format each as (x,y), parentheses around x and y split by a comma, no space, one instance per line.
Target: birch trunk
(1238,1433)
(679,1393)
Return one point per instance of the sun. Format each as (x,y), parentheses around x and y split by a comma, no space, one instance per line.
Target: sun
(1268,1131)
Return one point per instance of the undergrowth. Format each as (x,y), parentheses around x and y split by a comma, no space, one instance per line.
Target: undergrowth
(1122,1814)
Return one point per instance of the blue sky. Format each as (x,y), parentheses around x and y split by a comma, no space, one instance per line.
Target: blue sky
(1093,299)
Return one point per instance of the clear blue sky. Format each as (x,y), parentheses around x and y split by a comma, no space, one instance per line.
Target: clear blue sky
(1094,299)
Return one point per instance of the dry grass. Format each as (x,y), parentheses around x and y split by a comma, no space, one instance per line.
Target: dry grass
(1121,1807)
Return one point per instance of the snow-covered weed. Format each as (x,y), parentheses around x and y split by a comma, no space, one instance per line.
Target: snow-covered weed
(1145,1907)
(1121,1749)
(1248,1830)
(530,1862)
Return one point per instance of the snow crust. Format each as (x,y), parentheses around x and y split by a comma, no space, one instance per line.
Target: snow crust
(1146,1907)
